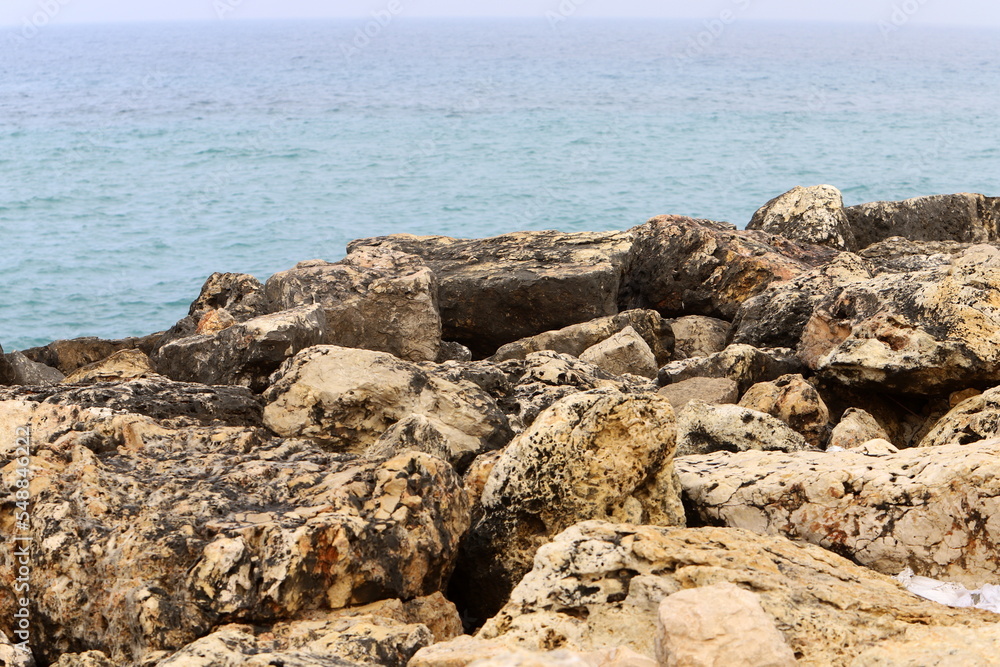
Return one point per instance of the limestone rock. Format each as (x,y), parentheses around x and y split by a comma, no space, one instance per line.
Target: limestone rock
(974,419)
(704,428)
(236,646)
(743,364)
(794,401)
(811,215)
(11,655)
(123,365)
(930,509)
(600,585)
(876,447)
(720,624)
(574,339)
(240,295)
(483,653)
(215,321)
(593,455)
(970,218)
(347,398)
(713,391)
(7,376)
(69,355)
(498,290)
(244,354)
(936,647)
(24,371)
(85,659)
(681,266)
(420,433)
(899,255)
(623,353)
(452,351)
(855,428)
(699,336)
(374,299)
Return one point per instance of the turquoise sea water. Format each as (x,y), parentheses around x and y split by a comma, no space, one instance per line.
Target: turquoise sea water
(137,159)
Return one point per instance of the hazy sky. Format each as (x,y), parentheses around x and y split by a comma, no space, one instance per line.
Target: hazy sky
(967,12)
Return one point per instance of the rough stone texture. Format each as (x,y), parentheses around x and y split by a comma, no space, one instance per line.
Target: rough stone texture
(704,428)
(594,455)
(150,536)
(932,509)
(452,351)
(347,398)
(974,419)
(855,428)
(419,433)
(10,655)
(936,647)
(721,624)
(713,391)
(215,321)
(7,376)
(24,371)
(811,215)
(85,659)
(743,364)
(468,651)
(965,217)
(574,339)
(244,354)
(374,299)
(598,585)
(699,336)
(682,266)
(236,646)
(121,366)
(623,353)
(794,401)
(899,255)
(498,290)
(69,355)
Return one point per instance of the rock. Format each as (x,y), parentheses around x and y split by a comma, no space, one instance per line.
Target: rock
(10,654)
(244,354)
(236,646)
(452,351)
(899,255)
(969,218)
(743,364)
(810,215)
(974,419)
(794,401)
(855,428)
(574,339)
(123,365)
(957,397)
(928,509)
(721,624)
(482,653)
(703,428)
(374,299)
(936,647)
(681,266)
(877,447)
(699,336)
(623,353)
(85,659)
(240,295)
(346,399)
(215,321)
(24,371)
(69,355)
(713,391)
(7,376)
(419,433)
(593,455)
(498,290)
(600,585)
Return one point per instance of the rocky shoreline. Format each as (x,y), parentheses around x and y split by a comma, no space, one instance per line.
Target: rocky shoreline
(680,444)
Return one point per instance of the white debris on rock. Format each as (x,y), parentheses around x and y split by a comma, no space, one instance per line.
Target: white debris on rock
(950,593)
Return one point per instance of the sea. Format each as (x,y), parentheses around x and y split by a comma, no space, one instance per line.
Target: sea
(137,159)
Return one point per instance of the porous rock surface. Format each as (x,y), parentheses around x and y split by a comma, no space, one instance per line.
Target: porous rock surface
(814,215)
(704,428)
(855,428)
(743,364)
(713,391)
(699,336)
(794,401)
(624,353)
(974,419)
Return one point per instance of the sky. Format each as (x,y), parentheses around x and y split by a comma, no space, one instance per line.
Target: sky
(926,12)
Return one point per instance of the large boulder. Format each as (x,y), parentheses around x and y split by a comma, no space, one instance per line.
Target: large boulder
(123,365)
(930,509)
(624,353)
(974,419)
(498,290)
(743,364)
(68,355)
(704,428)
(855,428)
(970,218)
(593,455)
(346,399)
(794,401)
(374,299)
(812,215)
(682,266)
(23,371)
(713,391)
(699,336)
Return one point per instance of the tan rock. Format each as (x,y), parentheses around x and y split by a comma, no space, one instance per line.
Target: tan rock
(215,321)
(12,656)
(713,391)
(743,364)
(704,428)
(936,647)
(623,353)
(974,419)
(812,215)
(721,624)
(959,396)
(855,428)
(794,401)
(128,364)
(699,336)
(482,653)
(69,355)
(85,659)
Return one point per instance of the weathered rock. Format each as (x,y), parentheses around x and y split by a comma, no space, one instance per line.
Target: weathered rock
(720,624)
(574,339)
(244,354)
(599,585)
(24,371)
(856,428)
(681,266)
(452,351)
(374,299)
(85,659)
(899,255)
(794,401)
(811,215)
(713,391)
(623,353)
(699,336)
(593,455)
(876,447)
(936,647)
(498,290)
(69,355)
(419,433)
(483,653)
(704,428)
(10,654)
(215,321)
(743,364)
(974,419)
(347,398)
(7,376)
(928,509)
(970,218)
(240,295)
(236,646)
(123,365)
